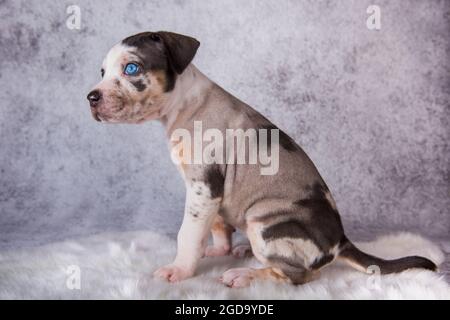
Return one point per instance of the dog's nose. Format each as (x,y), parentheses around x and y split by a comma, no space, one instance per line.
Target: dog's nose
(94,97)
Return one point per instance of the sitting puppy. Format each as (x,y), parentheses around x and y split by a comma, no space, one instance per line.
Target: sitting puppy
(290,217)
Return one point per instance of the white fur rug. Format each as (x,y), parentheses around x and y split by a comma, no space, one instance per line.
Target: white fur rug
(119,266)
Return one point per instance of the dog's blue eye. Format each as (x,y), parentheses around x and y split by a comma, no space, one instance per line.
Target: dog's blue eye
(131,69)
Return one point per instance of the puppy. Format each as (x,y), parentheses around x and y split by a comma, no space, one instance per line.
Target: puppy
(289,217)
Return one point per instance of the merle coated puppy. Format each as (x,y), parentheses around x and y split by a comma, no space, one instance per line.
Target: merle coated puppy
(290,217)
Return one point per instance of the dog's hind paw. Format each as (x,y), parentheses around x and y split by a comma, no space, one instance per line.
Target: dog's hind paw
(237,277)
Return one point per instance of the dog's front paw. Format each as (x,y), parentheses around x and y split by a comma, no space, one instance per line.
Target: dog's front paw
(173,273)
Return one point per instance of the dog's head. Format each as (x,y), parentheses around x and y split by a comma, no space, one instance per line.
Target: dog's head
(138,74)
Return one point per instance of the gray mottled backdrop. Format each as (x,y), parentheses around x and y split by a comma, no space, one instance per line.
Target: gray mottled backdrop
(371,108)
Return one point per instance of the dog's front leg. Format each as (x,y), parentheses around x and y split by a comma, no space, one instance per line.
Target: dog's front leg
(199,214)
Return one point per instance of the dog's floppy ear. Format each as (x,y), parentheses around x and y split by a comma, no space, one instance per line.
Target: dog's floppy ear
(180,49)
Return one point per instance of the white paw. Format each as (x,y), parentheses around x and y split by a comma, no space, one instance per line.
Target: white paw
(212,251)
(242,251)
(237,277)
(173,273)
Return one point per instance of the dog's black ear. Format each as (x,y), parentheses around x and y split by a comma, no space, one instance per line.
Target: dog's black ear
(180,49)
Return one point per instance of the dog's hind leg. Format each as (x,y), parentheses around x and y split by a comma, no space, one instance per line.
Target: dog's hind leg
(242,277)
(288,260)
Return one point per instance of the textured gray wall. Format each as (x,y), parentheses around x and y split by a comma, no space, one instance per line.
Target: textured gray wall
(370,107)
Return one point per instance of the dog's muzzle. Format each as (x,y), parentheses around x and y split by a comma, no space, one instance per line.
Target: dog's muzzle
(94,98)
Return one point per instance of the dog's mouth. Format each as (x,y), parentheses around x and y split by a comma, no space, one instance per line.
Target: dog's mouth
(95,115)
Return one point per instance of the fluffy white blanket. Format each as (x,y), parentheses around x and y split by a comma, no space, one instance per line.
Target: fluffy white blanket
(119,266)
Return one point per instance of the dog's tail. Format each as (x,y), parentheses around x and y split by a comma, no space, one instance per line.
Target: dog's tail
(364,262)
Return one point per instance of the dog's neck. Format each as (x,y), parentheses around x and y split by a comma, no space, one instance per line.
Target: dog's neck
(188,95)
